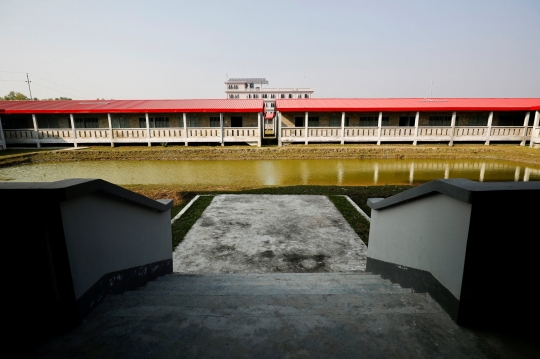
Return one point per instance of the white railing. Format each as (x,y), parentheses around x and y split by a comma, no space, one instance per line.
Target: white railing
(288,134)
(324,132)
(19,135)
(167,132)
(130,133)
(396,131)
(55,134)
(92,133)
(242,132)
(203,132)
(434,131)
(470,131)
(361,131)
(514,131)
(292,132)
(535,136)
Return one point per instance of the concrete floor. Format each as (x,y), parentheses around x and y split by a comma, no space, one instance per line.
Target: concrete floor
(268,234)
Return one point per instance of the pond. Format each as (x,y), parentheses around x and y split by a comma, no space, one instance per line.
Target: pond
(346,172)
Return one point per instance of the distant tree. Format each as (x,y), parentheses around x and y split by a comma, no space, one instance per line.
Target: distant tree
(63,98)
(12,95)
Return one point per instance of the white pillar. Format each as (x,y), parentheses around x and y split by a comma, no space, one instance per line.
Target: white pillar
(148,129)
(416,121)
(482,171)
(376,174)
(73,130)
(260,121)
(526,174)
(185,129)
(36,133)
(278,117)
(516,174)
(525,127)
(411,173)
(2,137)
(490,122)
(379,133)
(535,126)
(111,136)
(306,127)
(222,129)
(453,125)
(343,128)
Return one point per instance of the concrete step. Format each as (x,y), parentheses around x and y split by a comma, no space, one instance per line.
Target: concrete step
(269,290)
(330,315)
(269,305)
(268,284)
(273,278)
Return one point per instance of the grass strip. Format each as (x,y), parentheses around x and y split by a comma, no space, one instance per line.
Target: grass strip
(182,226)
(183,194)
(505,152)
(352,216)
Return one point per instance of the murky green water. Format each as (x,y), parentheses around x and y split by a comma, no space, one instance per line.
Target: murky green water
(274,172)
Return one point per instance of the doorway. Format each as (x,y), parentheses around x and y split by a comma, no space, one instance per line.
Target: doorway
(236,121)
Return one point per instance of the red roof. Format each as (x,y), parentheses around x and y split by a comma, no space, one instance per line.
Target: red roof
(269,115)
(407,104)
(131,106)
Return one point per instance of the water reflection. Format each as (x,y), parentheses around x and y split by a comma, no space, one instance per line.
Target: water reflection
(275,172)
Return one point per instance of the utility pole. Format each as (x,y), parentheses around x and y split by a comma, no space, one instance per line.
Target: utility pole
(29,89)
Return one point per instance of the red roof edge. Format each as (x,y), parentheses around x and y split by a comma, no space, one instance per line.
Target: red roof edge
(406,109)
(216,110)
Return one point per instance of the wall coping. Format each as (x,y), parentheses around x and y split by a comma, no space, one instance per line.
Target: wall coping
(459,188)
(72,188)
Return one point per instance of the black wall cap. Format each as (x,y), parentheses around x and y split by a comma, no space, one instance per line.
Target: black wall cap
(460,189)
(76,187)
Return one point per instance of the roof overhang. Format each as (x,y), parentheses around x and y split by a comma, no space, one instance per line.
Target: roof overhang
(407,105)
(133,106)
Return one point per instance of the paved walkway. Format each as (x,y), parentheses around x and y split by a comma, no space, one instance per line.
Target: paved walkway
(270,233)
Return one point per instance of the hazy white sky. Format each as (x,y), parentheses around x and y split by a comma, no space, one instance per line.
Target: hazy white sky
(341,48)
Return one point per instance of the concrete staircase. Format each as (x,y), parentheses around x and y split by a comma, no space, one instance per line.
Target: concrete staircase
(283,315)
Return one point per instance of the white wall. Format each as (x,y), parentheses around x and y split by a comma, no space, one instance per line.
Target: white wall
(105,235)
(428,234)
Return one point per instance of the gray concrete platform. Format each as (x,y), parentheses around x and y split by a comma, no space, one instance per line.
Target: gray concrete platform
(274,315)
(270,233)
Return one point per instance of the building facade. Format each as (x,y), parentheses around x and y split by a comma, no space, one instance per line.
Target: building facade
(129,121)
(299,120)
(253,88)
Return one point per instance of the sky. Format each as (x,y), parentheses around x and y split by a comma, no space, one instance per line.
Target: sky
(342,48)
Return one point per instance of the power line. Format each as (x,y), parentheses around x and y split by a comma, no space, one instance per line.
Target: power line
(65,93)
(54,83)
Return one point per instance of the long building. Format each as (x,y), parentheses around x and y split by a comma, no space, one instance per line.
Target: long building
(221,121)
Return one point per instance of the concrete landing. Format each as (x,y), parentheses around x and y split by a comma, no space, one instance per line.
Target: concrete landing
(270,233)
(282,315)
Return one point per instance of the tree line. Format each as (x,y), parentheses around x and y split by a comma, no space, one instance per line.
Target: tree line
(14,96)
